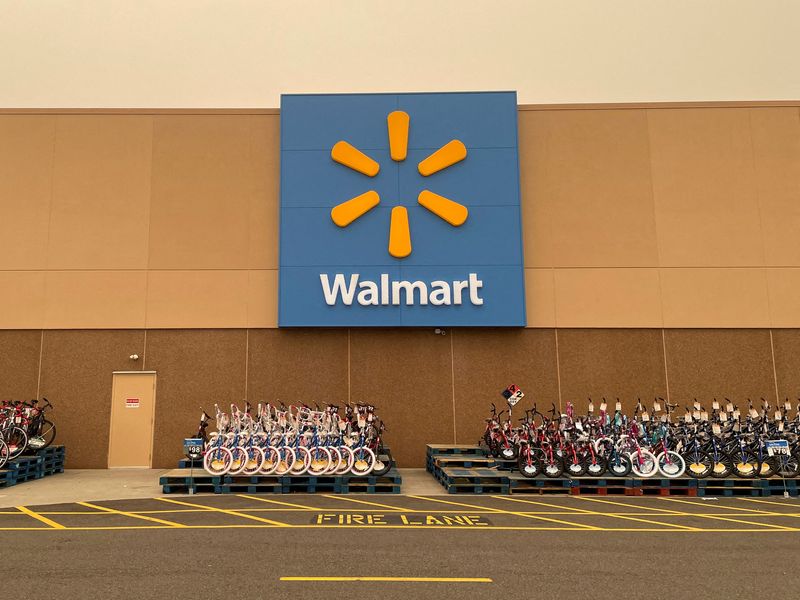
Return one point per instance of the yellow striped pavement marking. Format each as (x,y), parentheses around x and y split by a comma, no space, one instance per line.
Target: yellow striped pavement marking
(770,525)
(508,512)
(233,513)
(700,503)
(39,517)
(639,519)
(279,502)
(130,514)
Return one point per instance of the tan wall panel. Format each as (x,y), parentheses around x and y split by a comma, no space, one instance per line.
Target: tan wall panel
(540,302)
(194,368)
(607,298)
(596,188)
(776,151)
(720,363)
(206,179)
(19,364)
(101,192)
(26,171)
(190,299)
(264,217)
(786,343)
(535,188)
(262,298)
(297,365)
(76,377)
(407,374)
(784,296)
(597,363)
(22,298)
(715,298)
(705,188)
(486,361)
(95,299)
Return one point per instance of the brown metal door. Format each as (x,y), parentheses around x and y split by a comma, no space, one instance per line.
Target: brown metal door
(133,401)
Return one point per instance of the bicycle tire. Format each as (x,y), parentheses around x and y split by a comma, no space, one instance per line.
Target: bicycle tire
(217,461)
(382,467)
(699,464)
(364,461)
(671,464)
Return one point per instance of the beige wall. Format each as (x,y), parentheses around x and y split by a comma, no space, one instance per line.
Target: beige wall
(633,217)
(201,53)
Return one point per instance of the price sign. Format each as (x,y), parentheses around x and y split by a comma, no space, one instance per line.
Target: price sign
(787,405)
(591,407)
(736,414)
(656,406)
(704,416)
(716,429)
(775,447)
(715,405)
(723,417)
(778,415)
(696,405)
(729,407)
(193,447)
(603,407)
(619,405)
(645,417)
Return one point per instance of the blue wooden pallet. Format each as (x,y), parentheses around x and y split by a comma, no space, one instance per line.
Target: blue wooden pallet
(180,481)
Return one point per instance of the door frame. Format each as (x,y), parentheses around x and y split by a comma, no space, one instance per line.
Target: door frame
(111,416)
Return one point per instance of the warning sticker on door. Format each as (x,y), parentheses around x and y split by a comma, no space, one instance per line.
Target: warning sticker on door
(131,402)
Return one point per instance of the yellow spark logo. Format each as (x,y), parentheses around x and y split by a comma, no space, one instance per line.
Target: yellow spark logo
(399,233)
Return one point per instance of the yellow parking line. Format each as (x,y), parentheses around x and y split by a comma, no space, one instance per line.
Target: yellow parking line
(385,506)
(277,502)
(772,503)
(130,514)
(781,527)
(763,512)
(674,512)
(396,579)
(631,518)
(39,517)
(233,513)
(508,512)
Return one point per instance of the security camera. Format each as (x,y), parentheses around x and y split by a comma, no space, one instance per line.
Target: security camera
(134,357)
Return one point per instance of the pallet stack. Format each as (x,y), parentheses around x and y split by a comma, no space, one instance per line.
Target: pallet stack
(182,481)
(27,468)
(470,470)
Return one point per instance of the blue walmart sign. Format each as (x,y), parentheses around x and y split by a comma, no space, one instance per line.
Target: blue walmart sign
(400,210)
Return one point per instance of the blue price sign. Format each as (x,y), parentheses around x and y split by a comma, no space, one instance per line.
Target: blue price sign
(775,447)
(193,447)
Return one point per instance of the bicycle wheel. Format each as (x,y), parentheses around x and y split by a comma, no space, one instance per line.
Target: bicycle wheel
(595,465)
(320,460)
(3,453)
(643,463)
(745,464)
(383,462)
(671,464)
(508,451)
(768,467)
(238,460)
(698,464)
(722,465)
(17,441)
(619,465)
(286,460)
(527,463)
(574,465)
(364,461)
(271,460)
(336,460)
(553,467)
(347,460)
(255,458)
(788,466)
(217,460)
(301,462)
(45,437)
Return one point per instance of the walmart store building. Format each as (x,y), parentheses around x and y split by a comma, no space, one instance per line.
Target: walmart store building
(419,251)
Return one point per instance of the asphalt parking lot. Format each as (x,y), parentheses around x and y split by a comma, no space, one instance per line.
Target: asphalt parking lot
(316,546)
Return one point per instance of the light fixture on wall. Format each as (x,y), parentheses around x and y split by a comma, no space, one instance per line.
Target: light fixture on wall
(440,331)
(134,357)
